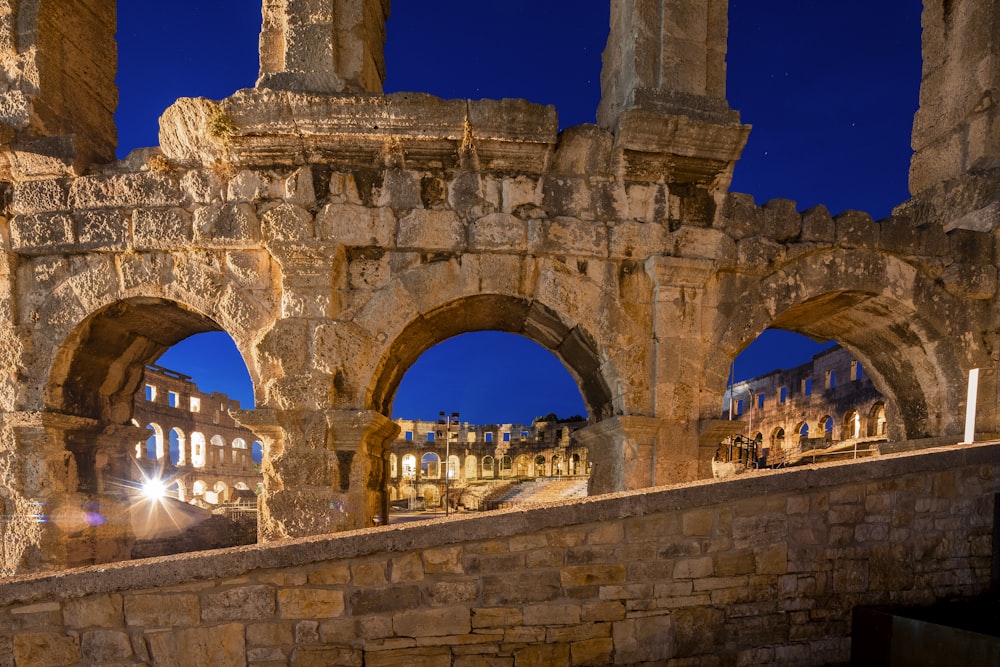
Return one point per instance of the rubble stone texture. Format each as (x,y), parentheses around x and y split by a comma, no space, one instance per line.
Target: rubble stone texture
(336,234)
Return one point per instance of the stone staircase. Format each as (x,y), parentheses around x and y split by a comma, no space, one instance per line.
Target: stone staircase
(544,490)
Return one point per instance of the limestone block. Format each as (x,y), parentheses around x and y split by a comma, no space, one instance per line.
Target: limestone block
(697,629)
(855,229)
(161,228)
(243,603)
(592,575)
(646,202)
(818,225)
(269,634)
(443,560)
(431,230)
(970,282)
(696,242)
(739,216)
(551,614)
(634,239)
(204,186)
(124,190)
(498,231)
(43,196)
(591,652)
(214,645)
(331,574)
(400,190)
(252,270)
(410,657)
(45,649)
(101,611)
(309,603)
(782,221)
(287,222)
(643,639)
(369,573)
(101,647)
(759,252)
(102,230)
(158,610)
(568,236)
(520,195)
(48,232)
(437,622)
(233,225)
(354,225)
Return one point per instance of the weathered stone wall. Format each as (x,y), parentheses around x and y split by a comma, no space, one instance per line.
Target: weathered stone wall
(762,570)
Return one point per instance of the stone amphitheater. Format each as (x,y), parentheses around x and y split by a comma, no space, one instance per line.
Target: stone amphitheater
(336,233)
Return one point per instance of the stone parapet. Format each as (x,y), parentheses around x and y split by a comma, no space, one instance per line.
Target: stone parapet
(696,572)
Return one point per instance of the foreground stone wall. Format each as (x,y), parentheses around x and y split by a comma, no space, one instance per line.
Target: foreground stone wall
(760,570)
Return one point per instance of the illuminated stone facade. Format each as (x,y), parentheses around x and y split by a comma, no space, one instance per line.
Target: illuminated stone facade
(336,233)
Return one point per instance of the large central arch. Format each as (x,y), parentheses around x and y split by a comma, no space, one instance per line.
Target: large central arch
(570,343)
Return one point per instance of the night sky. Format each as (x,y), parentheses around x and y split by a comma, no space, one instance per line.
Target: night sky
(830,89)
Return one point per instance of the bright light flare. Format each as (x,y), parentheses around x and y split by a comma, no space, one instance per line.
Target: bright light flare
(154,489)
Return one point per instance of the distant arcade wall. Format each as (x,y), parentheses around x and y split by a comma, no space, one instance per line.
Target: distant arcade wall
(195,447)
(336,234)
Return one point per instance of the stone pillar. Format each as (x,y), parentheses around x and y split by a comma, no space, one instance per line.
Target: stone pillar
(325,46)
(957,127)
(680,348)
(66,492)
(621,451)
(663,91)
(58,61)
(324,471)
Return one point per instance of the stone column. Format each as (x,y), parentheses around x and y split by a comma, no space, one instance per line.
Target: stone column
(957,127)
(621,451)
(680,348)
(58,62)
(663,91)
(324,471)
(325,46)
(66,501)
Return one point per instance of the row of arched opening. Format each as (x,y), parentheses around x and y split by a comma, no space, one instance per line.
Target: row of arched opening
(195,451)
(853,426)
(471,467)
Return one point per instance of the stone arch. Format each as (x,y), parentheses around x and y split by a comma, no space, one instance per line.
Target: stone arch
(489,464)
(778,439)
(802,431)
(876,419)
(430,466)
(540,470)
(154,444)
(409,466)
(826,425)
(894,319)
(577,345)
(454,467)
(199,453)
(851,425)
(471,467)
(521,466)
(177,442)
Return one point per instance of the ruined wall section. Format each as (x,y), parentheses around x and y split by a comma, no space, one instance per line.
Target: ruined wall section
(58,60)
(763,570)
(956,130)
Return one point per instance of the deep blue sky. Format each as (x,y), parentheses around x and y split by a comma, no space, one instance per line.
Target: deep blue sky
(829,87)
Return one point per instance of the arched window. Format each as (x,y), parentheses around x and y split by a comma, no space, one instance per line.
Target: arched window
(393,466)
(454,465)
(430,466)
(488,472)
(471,470)
(198,449)
(177,453)
(409,467)
(876,421)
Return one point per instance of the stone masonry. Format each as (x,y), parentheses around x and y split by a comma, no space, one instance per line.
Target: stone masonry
(760,570)
(336,233)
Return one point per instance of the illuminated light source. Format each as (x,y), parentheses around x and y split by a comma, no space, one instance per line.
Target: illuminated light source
(154,489)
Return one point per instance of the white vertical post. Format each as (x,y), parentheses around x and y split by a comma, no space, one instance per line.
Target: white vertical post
(970,407)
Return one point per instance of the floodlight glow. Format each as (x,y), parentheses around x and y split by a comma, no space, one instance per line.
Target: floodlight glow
(154,489)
